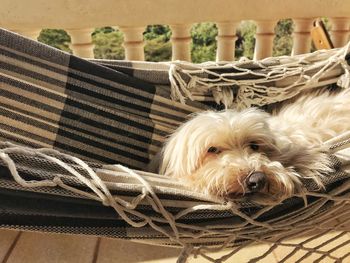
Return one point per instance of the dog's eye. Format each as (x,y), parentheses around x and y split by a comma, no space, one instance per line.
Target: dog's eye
(214,150)
(254,146)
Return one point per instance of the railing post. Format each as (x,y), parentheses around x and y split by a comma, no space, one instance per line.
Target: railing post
(264,36)
(226,41)
(133,43)
(30,33)
(339,31)
(301,36)
(81,42)
(181,40)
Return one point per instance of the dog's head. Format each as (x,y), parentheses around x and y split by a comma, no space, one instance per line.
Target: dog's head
(229,154)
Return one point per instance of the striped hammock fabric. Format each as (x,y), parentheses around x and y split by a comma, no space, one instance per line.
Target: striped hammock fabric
(77,135)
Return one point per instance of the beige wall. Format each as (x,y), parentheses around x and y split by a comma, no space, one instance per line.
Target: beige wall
(71,14)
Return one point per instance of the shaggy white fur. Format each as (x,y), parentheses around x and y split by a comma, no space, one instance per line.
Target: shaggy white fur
(252,153)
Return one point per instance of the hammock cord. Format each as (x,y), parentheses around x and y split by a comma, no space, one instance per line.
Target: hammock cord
(178,232)
(260,87)
(272,82)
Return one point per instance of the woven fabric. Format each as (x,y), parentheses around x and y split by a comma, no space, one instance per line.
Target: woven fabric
(56,100)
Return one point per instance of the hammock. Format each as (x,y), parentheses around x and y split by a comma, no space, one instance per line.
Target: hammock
(75,136)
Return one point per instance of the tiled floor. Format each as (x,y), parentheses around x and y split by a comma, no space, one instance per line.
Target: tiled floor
(18,247)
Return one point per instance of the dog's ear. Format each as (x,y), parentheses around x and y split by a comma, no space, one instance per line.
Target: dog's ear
(182,151)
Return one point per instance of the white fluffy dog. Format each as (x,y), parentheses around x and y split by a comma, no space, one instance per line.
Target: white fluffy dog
(233,154)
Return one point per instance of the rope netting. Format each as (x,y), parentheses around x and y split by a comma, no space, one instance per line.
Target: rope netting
(249,83)
(324,212)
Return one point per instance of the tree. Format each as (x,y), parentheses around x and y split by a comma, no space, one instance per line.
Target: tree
(157,31)
(56,38)
(204,45)
(157,50)
(246,40)
(157,43)
(108,43)
(283,41)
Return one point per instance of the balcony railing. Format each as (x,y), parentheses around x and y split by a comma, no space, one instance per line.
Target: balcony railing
(79,18)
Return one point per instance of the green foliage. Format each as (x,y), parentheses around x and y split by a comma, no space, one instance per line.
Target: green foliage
(283,42)
(204,45)
(157,43)
(204,34)
(246,40)
(103,30)
(203,53)
(108,41)
(157,32)
(56,38)
(157,50)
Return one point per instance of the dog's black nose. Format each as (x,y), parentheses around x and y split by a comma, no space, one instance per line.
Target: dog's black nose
(256,181)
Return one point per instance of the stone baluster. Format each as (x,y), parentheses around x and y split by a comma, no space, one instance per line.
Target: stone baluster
(30,33)
(81,42)
(181,40)
(302,36)
(226,41)
(133,43)
(339,32)
(264,39)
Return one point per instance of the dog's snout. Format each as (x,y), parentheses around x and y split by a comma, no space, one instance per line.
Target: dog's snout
(256,181)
